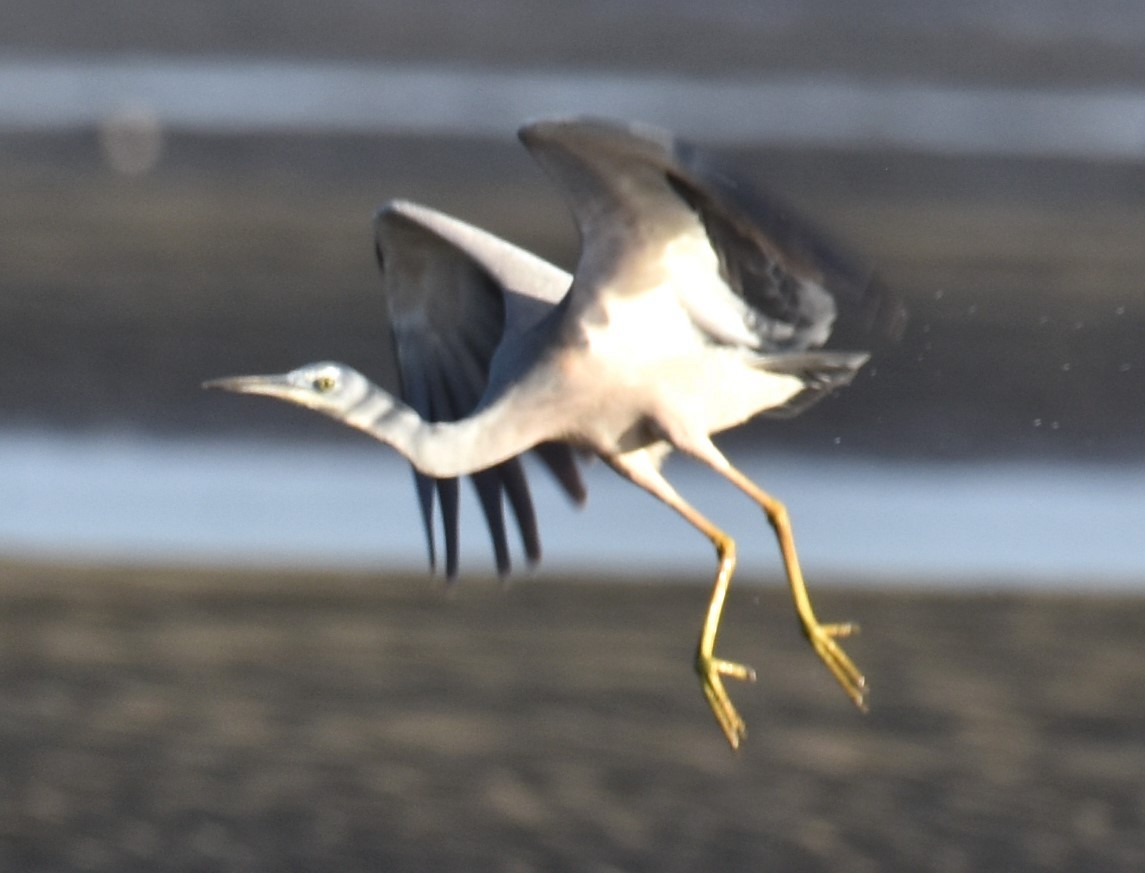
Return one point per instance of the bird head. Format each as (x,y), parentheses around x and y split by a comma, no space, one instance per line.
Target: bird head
(327,387)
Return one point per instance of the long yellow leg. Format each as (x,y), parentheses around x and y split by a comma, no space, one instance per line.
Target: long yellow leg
(709,667)
(639,467)
(821,636)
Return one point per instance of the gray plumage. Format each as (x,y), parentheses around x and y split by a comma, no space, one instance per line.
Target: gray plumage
(695,305)
(453,295)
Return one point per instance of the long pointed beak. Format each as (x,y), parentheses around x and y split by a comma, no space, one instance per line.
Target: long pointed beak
(272,386)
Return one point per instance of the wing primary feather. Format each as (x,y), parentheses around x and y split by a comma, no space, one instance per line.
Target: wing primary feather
(442,408)
(802,243)
(453,294)
(791,309)
(488,484)
(425,488)
(455,398)
(768,219)
(415,391)
(517,490)
(447,495)
(561,462)
(785,272)
(424,392)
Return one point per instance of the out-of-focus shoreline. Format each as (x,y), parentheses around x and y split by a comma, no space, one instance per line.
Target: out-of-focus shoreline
(155,718)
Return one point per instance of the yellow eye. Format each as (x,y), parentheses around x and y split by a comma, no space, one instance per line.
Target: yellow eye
(323,384)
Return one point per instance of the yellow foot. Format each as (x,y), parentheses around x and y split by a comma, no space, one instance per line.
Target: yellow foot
(711,670)
(822,638)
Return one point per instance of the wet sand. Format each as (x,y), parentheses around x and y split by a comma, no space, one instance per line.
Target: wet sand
(158,719)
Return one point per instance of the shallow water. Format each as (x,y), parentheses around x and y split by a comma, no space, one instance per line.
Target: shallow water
(217,502)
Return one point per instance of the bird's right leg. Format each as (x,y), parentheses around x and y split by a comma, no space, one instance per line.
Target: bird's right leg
(639,467)
(823,637)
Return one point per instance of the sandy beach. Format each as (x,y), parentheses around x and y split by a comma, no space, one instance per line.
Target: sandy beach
(163,719)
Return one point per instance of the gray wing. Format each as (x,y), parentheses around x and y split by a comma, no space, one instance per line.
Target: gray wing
(632,188)
(453,293)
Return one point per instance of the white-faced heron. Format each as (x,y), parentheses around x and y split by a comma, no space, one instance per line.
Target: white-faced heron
(695,305)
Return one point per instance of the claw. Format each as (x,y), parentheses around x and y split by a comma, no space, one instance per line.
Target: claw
(710,671)
(841,629)
(733,670)
(822,639)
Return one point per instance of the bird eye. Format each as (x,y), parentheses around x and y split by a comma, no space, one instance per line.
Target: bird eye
(324,383)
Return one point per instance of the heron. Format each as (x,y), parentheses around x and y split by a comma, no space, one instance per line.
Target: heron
(696,303)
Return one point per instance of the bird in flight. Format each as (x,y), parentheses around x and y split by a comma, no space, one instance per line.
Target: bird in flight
(695,305)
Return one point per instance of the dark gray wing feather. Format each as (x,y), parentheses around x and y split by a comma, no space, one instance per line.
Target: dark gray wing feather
(530,287)
(632,186)
(792,309)
(452,294)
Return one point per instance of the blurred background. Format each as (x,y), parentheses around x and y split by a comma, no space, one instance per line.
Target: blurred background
(188,190)
(218,647)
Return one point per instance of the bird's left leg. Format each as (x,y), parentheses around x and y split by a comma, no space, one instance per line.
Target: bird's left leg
(823,637)
(640,467)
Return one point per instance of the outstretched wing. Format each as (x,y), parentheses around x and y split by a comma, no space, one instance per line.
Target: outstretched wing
(452,293)
(634,190)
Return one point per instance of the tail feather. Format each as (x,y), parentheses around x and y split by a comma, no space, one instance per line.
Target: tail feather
(821,372)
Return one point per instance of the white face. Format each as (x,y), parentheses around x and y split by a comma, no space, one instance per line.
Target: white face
(319,378)
(326,387)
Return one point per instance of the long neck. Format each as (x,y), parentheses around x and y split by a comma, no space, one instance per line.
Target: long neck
(442,450)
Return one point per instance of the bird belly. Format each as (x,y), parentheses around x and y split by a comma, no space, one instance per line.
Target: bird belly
(717,390)
(637,369)
(617,404)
